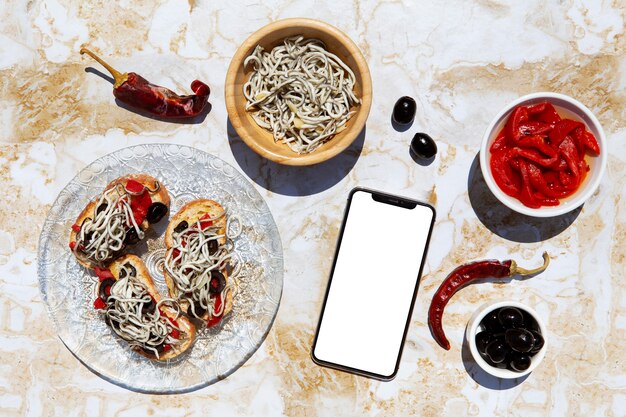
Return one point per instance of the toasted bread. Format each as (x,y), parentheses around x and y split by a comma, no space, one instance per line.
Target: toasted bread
(160,196)
(187,328)
(192,212)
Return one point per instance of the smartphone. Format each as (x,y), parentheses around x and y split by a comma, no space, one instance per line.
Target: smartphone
(373,284)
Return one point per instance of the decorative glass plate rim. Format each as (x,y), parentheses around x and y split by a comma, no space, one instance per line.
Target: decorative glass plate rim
(44,279)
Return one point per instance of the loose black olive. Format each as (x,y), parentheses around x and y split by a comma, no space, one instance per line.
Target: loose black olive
(491,322)
(520,363)
(131,236)
(105,289)
(213,245)
(123,273)
(482,340)
(156,211)
(217,282)
(423,146)
(133,271)
(404,110)
(510,317)
(101,208)
(496,351)
(181,226)
(539,342)
(520,340)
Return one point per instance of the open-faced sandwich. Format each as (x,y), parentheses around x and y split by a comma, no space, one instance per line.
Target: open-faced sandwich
(197,261)
(117,218)
(134,310)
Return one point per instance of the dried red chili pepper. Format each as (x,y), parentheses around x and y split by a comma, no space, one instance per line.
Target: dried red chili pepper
(466,274)
(136,91)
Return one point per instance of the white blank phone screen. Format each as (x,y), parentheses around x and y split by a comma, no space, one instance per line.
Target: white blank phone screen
(372,286)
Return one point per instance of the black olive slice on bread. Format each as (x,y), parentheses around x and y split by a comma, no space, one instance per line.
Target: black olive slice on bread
(196,236)
(118,217)
(126,289)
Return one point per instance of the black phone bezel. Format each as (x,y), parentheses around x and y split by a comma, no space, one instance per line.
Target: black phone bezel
(387,199)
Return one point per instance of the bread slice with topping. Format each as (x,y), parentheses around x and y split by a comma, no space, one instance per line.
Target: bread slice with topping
(132,307)
(117,218)
(197,261)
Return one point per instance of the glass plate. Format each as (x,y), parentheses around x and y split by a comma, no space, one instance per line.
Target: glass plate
(68,289)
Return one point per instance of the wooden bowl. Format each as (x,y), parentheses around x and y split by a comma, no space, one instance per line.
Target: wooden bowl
(262,140)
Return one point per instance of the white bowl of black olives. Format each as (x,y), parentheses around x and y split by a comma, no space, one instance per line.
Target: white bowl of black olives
(506,339)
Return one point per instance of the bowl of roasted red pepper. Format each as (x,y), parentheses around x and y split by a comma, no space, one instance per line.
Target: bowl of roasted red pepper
(543,155)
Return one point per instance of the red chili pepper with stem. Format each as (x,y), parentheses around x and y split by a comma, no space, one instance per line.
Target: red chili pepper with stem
(136,91)
(466,274)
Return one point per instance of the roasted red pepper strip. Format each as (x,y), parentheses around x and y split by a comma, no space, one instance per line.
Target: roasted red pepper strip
(527,196)
(548,115)
(519,116)
(464,275)
(536,108)
(499,142)
(570,154)
(539,183)
(562,129)
(216,307)
(136,91)
(508,180)
(534,128)
(536,142)
(586,140)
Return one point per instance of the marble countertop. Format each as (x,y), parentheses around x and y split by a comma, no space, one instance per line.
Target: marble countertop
(462,61)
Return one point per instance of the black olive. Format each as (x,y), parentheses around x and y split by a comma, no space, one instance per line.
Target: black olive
(101,208)
(496,351)
(482,340)
(213,245)
(133,271)
(88,237)
(539,342)
(511,317)
(156,211)
(423,146)
(529,321)
(123,273)
(148,308)
(491,322)
(520,340)
(105,287)
(520,363)
(217,282)
(404,110)
(131,236)
(199,311)
(181,226)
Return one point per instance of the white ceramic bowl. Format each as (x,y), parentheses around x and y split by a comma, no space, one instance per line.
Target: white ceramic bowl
(473,327)
(567,107)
